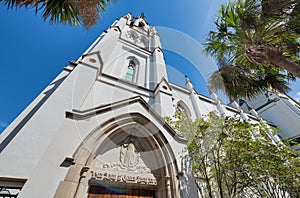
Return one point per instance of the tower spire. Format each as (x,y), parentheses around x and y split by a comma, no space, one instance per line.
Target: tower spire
(142,16)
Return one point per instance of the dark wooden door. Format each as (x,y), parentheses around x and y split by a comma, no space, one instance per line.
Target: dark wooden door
(102,192)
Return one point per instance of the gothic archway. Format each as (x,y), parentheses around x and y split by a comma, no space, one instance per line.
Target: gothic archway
(125,154)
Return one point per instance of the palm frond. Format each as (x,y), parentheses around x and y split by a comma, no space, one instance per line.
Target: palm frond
(258,50)
(73,12)
(60,12)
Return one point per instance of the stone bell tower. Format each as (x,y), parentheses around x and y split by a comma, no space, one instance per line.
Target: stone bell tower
(129,52)
(97,129)
(133,52)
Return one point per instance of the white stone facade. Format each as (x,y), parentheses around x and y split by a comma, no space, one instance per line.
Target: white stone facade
(101,121)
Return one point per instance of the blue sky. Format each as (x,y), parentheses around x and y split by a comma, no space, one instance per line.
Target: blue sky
(33,52)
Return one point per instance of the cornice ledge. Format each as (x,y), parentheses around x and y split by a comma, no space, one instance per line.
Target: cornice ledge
(88,113)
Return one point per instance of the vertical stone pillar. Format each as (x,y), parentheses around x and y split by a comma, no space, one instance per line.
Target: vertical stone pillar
(168,185)
(83,183)
(194,97)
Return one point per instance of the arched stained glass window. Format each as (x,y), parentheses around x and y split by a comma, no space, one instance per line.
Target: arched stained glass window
(130,71)
(182,108)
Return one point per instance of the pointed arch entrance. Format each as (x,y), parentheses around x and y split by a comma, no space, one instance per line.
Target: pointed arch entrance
(126,156)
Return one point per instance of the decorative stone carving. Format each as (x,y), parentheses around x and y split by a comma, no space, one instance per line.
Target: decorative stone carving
(129,154)
(129,158)
(132,36)
(129,168)
(137,39)
(141,42)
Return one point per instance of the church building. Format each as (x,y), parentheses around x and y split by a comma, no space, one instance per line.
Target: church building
(97,130)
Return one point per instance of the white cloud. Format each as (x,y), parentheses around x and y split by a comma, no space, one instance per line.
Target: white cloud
(3,124)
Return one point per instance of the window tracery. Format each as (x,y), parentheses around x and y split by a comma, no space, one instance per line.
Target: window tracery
(130,71)
(182,108)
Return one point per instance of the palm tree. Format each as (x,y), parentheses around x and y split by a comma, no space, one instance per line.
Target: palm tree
(72,12)
(277,8)
(255,51)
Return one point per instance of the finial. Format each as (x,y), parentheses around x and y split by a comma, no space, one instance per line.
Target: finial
(239,109)
(187,80)
(220,106)
(249,106)
(253,111)
(189,84)
(235,104)
(213,94)
(142,16)
(128,15)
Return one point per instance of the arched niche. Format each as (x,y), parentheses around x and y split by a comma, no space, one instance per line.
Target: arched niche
(100,160)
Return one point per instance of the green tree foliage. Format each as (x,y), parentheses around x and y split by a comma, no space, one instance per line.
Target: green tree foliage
(72,12)
(257,45)
(234,158)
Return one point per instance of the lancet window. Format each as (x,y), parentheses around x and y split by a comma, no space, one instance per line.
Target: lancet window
(182,108)
(130,71)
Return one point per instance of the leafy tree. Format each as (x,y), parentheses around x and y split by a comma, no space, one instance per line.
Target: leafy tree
(255,49)
(233,158)
(72,12)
